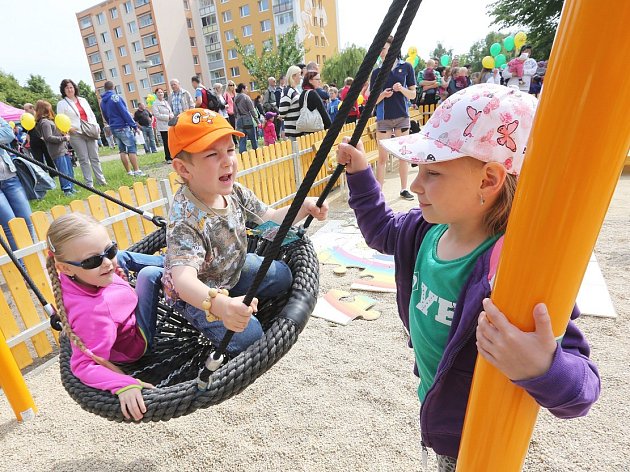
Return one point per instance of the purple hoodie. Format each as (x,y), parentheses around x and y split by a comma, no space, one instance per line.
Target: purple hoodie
(567,390)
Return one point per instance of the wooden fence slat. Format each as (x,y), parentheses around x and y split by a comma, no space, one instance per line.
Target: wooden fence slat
(132,222)
(57,211)
(263,176)
(120,232)
(141,199)
(154,195)
(78,206)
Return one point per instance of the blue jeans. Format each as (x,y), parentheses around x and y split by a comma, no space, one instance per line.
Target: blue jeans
(125,139)
(149,139)
(14,204)
(250,133)
(148,271)
(64,165)
(277,280)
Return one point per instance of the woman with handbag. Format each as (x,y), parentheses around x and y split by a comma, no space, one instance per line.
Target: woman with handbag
(163,114)
(245,121)
(289,109)
(313,115)
(84,131)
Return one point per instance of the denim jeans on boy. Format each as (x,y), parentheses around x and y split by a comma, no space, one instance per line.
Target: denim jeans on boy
(148,271)
(149,139)
(126,140)
(277,280)
(14,204)
(250,133)
(64,166)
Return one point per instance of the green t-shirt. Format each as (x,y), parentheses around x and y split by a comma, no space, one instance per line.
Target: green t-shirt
(436,287)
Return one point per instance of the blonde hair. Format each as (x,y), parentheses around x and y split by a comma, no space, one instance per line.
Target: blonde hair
(496,217)
(61,233)
(291,71)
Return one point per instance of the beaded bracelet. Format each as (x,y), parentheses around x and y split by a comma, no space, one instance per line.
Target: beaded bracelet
(207,303)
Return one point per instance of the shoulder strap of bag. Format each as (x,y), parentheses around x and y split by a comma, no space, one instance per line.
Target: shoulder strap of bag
(72,106)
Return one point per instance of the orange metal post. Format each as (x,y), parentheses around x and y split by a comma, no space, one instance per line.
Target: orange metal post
(574,157)
(13,384)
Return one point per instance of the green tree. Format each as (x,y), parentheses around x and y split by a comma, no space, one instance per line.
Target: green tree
(539,20)
(440,50)
(272,61)
(86,92)
(37,85)
(343,64)
(481,48)
(14,94)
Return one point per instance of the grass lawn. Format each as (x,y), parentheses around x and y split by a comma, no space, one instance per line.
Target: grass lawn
(114,173)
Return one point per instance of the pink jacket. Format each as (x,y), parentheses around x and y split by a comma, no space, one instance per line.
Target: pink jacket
(229,103)
(103,318)
(269,132)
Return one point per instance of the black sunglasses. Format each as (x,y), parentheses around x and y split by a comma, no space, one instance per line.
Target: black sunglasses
(93,262)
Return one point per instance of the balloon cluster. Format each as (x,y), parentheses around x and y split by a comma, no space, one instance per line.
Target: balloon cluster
(150,99)
(27,120)
(496,57)
(412,57)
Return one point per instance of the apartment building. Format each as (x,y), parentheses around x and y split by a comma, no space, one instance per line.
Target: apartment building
(142,44)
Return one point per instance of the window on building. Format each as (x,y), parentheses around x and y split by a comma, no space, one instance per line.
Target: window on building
(217,75)
(128,7)
(229,35)
(186,5)
(265,25)
(113,13)
(323,42)
(285,18)
(105,37)
(224,1)
(136,46)
(189,23)
(317,60)
(100,18)
(139,3)
(247,31)
(113,73)
(144,83)
(196,60)
(232,54)
(108,55)
(145,20)
(321,22)
(215,56)
(154,59)
(249,49)
(316,40)
(133,27)
(323,59)
(89,40)
(157,78)
(122,51)
(314,21)
(267,45)
(85,22)
(235,71)
(131,87)
(149,40)
(118,89)
(252,85)
(134,103)
(209,20)
(263,5)
(244,10)
(227,16)
(211,39)
(94,58)
(126,69)
(118,32)
(98,75)
(193,41)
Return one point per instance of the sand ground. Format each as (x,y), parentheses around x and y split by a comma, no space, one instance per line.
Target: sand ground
(343,399)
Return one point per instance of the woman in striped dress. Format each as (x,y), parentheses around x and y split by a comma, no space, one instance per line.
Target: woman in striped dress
(290,102)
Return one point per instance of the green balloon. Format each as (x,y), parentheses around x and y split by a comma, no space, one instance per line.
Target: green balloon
(499,60)
(445,60)
(495,49)
(508,43)
(503,66)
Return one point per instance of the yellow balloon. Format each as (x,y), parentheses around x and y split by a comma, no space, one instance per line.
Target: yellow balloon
(520,37)
(360,100)
(488,62)
(11,124)
(27,120)
(63,122)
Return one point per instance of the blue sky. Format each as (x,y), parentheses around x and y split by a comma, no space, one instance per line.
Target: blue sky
(42,36)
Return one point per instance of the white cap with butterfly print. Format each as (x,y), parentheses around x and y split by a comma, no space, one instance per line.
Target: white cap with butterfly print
(486,121)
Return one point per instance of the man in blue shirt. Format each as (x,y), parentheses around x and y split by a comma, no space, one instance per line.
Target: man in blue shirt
(123,127)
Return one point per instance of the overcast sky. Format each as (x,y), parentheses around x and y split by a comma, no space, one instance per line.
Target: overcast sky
(42,36)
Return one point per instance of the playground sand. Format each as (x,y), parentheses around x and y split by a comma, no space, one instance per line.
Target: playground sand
(343,399)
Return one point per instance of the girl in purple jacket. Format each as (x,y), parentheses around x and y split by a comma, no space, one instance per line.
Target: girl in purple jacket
(107,321)
(470,153)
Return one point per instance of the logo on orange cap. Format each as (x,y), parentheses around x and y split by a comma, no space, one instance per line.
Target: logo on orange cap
(197,129)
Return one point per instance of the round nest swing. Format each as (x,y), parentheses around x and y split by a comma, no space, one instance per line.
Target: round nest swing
(180,350)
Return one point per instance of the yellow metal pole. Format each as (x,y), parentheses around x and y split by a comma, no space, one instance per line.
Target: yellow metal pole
(575,154)
(13,384)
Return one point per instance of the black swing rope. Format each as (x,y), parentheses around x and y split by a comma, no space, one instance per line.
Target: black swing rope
(215,359)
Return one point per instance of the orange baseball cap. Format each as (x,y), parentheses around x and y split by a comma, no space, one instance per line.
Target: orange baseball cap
(196,129)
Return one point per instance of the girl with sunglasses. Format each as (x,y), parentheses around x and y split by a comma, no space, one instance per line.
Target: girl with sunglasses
(107,321)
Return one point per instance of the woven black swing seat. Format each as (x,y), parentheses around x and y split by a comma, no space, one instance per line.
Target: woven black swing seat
(180,350)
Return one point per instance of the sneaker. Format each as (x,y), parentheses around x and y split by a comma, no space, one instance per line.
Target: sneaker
(139,173)
(70,193)
(131,173)
(407,195)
